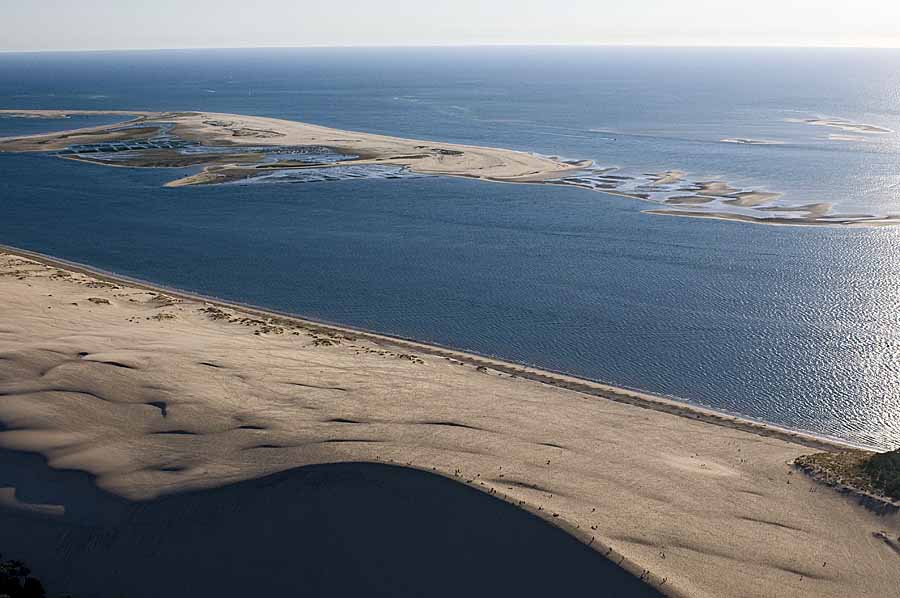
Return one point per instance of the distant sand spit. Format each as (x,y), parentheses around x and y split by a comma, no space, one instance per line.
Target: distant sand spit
(815,217)
(223,130)
(233,148)
(158,396)
(68,113)
(745,141)
(842,124)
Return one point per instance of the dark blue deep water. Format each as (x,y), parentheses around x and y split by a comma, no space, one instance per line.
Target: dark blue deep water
(797,326)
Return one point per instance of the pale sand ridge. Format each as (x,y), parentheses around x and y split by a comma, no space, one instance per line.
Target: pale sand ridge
(155,393)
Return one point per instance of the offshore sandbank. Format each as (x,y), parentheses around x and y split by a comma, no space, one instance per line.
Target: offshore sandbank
(156,392)
(210,129)
(232,148)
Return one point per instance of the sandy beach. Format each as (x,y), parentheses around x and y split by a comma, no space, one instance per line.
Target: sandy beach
(114,392)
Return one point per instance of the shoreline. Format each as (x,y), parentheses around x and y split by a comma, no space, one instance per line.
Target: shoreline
(155,393)
(619,394)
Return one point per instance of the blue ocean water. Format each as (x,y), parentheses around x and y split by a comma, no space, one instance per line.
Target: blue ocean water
(793,325)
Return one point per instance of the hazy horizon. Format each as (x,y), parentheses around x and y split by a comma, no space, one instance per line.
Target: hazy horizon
(207,24)
(447,46)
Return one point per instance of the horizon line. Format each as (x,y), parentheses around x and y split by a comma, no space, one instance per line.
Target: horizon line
(846,46)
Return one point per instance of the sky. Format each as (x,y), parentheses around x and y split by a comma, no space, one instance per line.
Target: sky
(27,25)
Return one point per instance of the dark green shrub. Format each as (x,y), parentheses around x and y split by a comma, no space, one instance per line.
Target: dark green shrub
(15,581)
(885,471)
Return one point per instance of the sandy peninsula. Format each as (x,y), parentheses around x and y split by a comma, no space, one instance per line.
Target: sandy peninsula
(209,129)
(228,148)
(152,396)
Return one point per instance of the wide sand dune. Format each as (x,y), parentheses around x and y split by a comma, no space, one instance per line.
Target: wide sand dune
(163,398)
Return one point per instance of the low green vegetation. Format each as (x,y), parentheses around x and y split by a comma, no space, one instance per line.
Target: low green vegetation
(875,473)
(884,469)
(16,581)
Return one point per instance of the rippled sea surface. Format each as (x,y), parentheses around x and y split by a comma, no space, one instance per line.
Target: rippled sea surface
(798,326)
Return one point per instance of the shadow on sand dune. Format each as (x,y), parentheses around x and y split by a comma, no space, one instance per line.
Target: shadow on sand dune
(325,530)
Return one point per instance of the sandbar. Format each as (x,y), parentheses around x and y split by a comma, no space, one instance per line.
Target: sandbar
(749,199)
(747,141)
(843,124)
(233,130)
(232,148)
(812,217)
(669,177)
